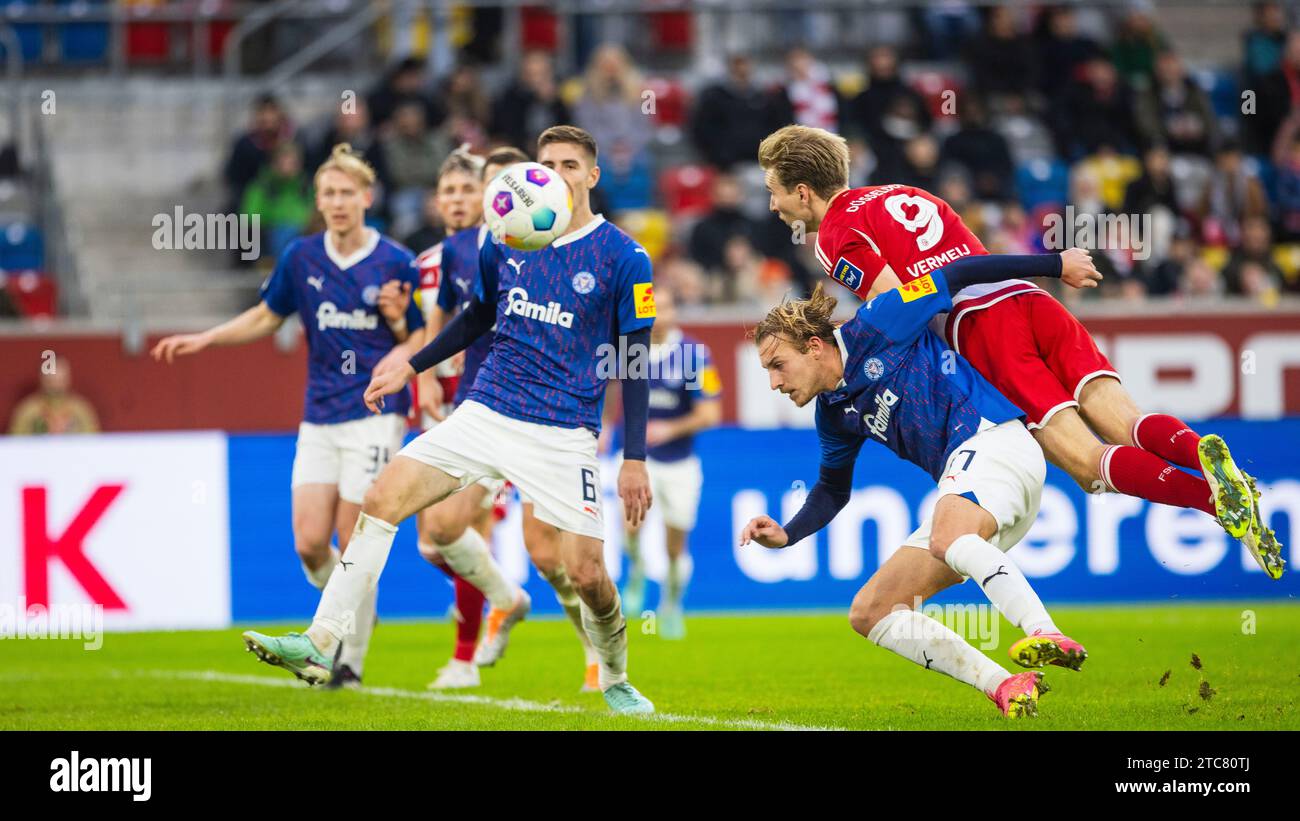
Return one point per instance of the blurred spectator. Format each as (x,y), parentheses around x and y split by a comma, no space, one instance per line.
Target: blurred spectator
(1276,95)
(886,114)
(750,278)
(1233,195)
(684,278)
(414,153)
(1200,281)
(921,163)
(732,116)
(1155,188)
(808,87)
(8,309)
(468,108)
(431,230)
(529,105)
(1251,270)
(404,83)
(1175,111)
(611,109)
(979,151)
(1164,277)
(270,127)
(54,408)
(1263,44)
(282,199)
(1001,59)
(724,221)
(351,126)
(1096,110)
(1111,172)
(1136,45)
(1062,50)
(1027,136)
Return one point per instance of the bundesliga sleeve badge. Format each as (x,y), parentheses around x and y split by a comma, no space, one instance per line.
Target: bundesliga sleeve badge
(847,274)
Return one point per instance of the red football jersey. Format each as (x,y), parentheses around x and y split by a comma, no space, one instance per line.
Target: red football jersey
(909,229)
(429,264)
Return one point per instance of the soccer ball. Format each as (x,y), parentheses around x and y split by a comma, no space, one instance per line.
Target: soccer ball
(527,206)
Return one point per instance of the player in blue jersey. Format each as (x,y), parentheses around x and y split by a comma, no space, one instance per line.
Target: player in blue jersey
(531,417)
(448,271)
(884,376)
(351,288)
(685,398)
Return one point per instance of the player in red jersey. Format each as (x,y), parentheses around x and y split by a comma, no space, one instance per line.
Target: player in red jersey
(1023,341)
(470,513)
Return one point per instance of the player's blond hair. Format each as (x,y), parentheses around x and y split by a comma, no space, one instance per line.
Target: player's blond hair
(350,162)
(462,161)
(797,321)
(812,156)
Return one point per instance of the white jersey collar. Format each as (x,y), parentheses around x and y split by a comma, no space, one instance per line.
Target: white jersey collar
(597,221)
(367,248)
(844,356)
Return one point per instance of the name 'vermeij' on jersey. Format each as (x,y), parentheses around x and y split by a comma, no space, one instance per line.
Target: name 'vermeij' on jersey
(336,298)
(555,309)
(903,387)
(682,374)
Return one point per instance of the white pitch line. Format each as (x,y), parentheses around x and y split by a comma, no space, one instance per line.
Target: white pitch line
(516,704)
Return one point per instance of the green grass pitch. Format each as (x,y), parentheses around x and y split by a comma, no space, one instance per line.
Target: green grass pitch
(790,671)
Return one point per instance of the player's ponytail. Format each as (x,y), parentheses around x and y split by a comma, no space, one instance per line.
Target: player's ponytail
(797,321)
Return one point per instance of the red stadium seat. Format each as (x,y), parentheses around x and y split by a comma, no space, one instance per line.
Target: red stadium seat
(671,101)
(687,190)
(541,28)
(35,294)
(671,30)
(940,90)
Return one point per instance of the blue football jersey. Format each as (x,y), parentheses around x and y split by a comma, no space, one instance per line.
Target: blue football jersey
(459,270)
(682,374)
(903,387)
(336,299)
(556,308)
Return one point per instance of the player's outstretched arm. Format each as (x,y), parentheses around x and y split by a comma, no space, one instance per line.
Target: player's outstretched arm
(1074,267)
(826,499)
(255,323)
(467,326)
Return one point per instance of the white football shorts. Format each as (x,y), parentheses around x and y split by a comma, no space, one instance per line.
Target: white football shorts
(347,454)
(1001,468)
(554,468)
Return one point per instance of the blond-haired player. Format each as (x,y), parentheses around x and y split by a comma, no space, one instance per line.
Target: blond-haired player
(351,288)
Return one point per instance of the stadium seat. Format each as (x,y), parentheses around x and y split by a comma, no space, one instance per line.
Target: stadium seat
(938,88)
(21,247)
(1043,182)
(1215,256)
(630,189)
(687,190)
(671,30)
(1287,257)
(35,295)
(146,42)
(30,36)
(1221,86)
(671,101)
(540,28)
(83,42)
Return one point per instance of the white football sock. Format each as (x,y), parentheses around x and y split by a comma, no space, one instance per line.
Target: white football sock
(356,645)
(679,575)
(357,578)
(568,599)
(914,635)
(321,575)
(1002,582)
(470,558)
(608,634)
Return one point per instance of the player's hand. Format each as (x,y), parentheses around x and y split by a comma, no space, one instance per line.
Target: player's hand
(765,531)
(394,299)
(431,396)
(179,345)
(1077,269)
(634,490)
(384,382)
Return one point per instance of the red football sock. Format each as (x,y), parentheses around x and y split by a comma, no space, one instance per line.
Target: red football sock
(1136,472)
(469,603)
(1169,438)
